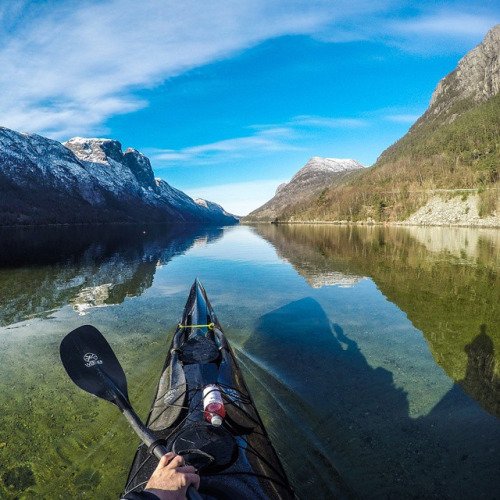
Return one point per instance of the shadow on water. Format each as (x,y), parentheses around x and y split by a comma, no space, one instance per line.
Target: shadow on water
(481,381)
(43,269)
(347,419)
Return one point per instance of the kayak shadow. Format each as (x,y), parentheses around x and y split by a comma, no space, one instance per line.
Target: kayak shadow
(348,427)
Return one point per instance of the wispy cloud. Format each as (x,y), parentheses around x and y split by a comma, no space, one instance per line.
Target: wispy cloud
(441,31)
(266,138)
(67,66)
(402,118)
(445,24)
(262,141)
(239,198)
(428,30)
(327,122)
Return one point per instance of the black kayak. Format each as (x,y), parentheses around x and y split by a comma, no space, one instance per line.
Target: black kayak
(236,459)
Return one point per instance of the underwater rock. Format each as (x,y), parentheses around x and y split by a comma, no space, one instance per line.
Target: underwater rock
(19,478)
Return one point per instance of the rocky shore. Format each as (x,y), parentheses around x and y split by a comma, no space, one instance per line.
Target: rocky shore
(457,211)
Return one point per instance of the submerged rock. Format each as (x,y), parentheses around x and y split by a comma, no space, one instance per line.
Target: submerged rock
(19,478)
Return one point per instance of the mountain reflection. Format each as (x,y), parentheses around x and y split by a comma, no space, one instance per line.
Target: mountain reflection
(445,280)
(44,269)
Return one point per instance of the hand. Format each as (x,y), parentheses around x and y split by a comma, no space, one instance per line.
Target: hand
(171,478)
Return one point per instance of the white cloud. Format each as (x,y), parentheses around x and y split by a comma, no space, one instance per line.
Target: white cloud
(450,29)
(445,31)
(239,198)
(446,23)
(327,122)
(68,67)
(402,118)
(266,138)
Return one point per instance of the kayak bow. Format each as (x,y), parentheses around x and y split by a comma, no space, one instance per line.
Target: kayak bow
(235,459)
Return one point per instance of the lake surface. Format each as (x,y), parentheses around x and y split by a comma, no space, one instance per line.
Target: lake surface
(372,353)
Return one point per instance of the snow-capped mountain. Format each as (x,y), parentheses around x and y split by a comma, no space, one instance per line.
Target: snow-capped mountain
(317,174)
(211,206)
(88,180)
(317,165)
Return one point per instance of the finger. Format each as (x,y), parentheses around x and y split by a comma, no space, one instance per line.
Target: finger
(177,461)
(166,459)
(193,479)
(186,468)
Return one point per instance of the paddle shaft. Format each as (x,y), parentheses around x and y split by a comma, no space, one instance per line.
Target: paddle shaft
(144,433)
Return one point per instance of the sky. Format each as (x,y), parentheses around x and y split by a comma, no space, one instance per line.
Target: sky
(230,98)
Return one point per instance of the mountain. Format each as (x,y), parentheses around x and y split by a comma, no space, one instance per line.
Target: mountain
(445,170)
(212,207)
(316,175)
(476,79)
(88,181)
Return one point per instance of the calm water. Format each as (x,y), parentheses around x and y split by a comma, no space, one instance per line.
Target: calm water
(372,354)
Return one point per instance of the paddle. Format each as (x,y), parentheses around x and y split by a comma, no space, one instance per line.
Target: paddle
(93,366)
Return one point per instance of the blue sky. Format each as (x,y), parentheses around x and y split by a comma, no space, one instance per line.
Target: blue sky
(230,98)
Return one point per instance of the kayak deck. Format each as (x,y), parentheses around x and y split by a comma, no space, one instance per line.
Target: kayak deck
(235,460)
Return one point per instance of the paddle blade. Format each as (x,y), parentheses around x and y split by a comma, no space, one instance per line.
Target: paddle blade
(92,364)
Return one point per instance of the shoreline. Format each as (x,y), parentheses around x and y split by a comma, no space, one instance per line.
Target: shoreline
(438,211)
(125,224)
(375,223)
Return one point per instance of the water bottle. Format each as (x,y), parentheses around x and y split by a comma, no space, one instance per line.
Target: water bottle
(213,406)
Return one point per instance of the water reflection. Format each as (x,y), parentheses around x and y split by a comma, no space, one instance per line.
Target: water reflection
(483,244)
(44,269)
(448,292)
(338,409)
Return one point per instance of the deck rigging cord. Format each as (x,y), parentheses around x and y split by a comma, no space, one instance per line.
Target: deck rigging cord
(243,398)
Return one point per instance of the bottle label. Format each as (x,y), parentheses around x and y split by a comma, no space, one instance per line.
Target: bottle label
(211,394)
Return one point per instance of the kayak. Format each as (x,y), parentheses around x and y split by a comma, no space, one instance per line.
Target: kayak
(232,453)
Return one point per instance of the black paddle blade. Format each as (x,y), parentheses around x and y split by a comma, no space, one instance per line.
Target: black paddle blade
(92,364)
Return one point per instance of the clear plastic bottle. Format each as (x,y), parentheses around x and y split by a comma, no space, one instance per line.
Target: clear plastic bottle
(213,406)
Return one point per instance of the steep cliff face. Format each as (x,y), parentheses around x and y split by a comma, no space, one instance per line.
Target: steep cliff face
(109,152)
(316,175)
(476,78)
(87,180)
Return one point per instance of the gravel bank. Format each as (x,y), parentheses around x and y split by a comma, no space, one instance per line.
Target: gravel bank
(456,211)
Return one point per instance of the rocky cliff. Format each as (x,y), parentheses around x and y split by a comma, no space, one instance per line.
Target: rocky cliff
(88,181)
(476,78)
(315,176)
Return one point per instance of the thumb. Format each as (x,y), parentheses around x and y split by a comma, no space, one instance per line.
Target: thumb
(164,461)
